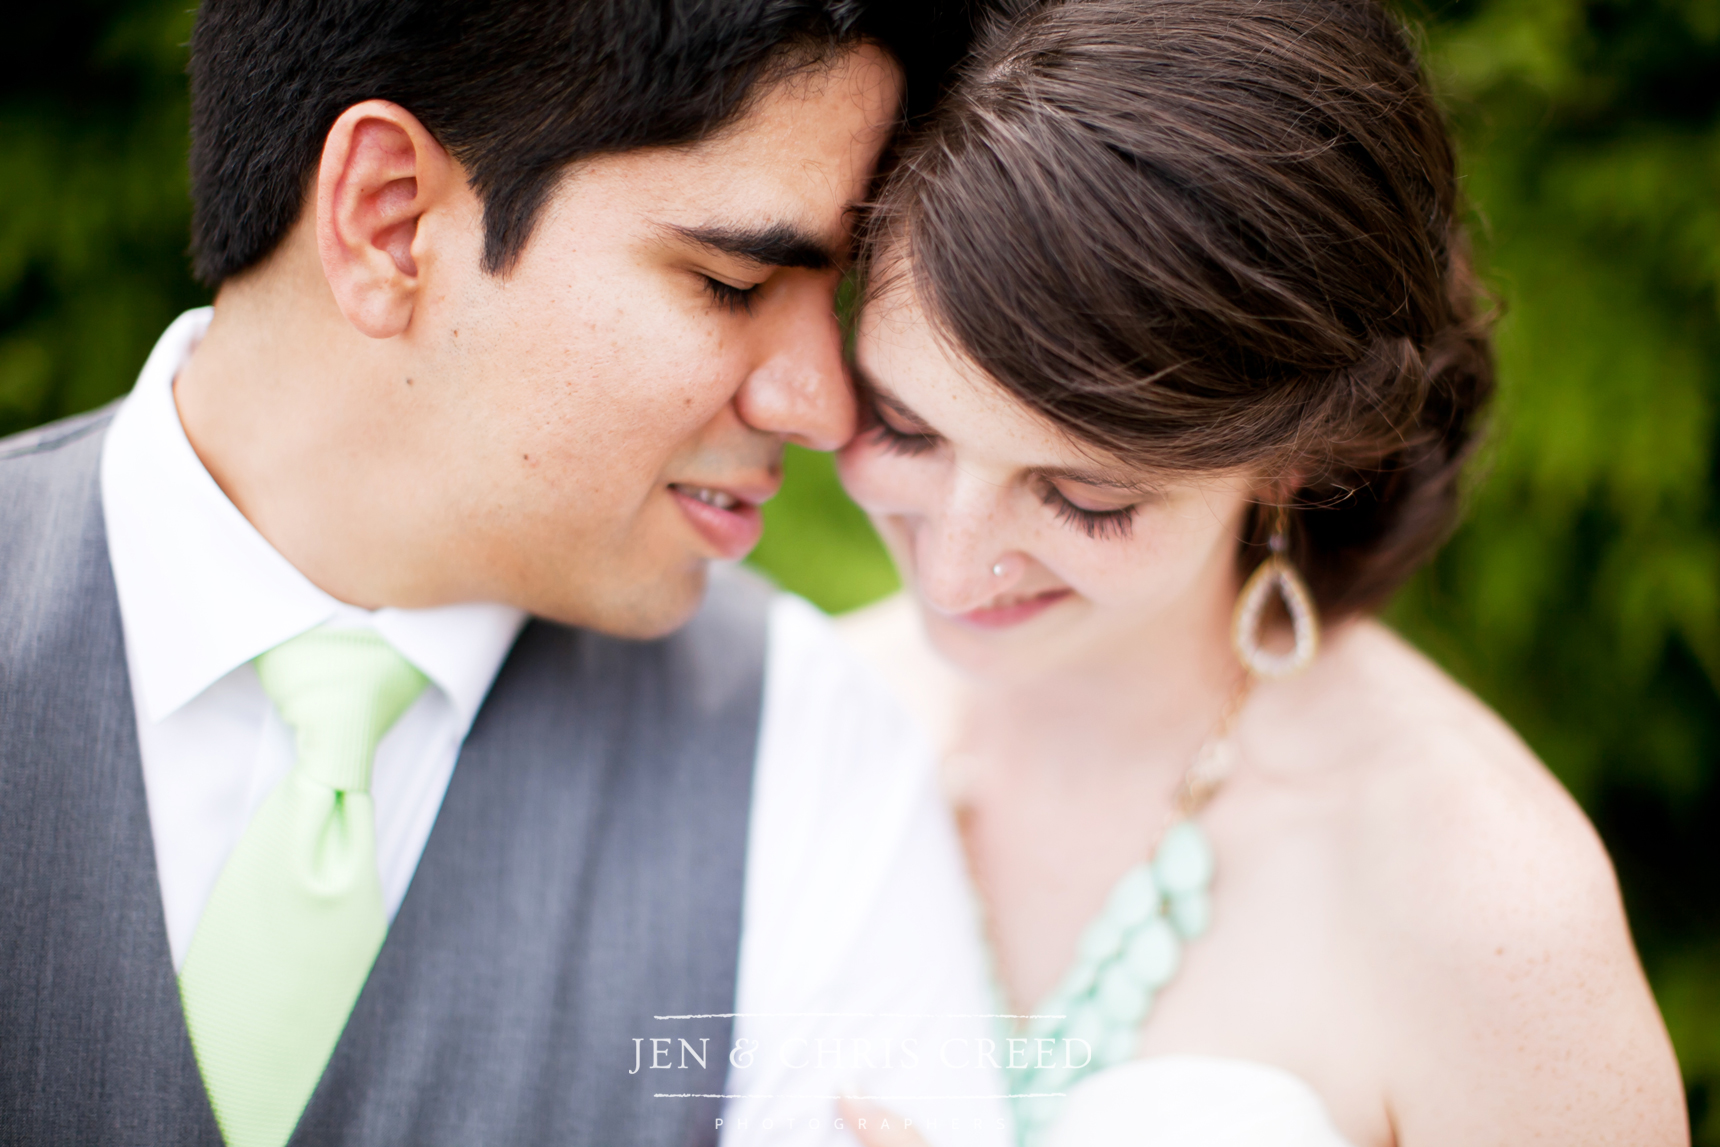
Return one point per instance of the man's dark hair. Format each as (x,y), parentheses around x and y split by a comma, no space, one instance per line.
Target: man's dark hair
(514,89)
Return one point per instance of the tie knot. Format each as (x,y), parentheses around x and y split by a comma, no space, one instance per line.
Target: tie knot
(340,690)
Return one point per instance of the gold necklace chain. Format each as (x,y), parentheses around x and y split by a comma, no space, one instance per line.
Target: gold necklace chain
(1212,764)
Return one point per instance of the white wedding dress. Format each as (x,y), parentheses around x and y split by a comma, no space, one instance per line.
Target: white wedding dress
(1193,1101)
(1159,1101)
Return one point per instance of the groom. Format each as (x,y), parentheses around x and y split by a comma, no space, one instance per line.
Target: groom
(370,772)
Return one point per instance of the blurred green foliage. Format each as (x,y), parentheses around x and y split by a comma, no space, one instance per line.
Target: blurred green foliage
(93,211)
(818,543)
(1582,596)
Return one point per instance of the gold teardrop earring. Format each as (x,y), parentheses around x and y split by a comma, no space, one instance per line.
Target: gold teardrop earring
(1275,572)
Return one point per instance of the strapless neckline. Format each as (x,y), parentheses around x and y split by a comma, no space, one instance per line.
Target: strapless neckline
(1194,1101)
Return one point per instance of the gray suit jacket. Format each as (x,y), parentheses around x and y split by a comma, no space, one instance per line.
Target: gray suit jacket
(584,875)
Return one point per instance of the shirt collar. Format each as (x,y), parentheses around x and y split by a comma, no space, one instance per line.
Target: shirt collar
(202,593)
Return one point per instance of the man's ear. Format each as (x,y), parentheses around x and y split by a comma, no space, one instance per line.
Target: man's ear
(380,172)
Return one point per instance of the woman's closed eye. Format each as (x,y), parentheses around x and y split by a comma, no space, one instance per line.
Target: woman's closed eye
(1109,522)
(897,439)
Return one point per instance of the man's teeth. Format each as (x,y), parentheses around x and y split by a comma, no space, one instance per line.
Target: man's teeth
(710,497)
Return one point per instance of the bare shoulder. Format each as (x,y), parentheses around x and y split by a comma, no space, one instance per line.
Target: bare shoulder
(1449,802)
(1501,958)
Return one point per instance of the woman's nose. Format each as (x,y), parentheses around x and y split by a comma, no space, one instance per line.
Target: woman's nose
(963,556)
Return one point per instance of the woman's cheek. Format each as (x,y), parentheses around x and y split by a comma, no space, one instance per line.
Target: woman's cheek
(879,482)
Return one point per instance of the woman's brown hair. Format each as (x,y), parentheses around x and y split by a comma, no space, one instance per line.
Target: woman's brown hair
(1208,234)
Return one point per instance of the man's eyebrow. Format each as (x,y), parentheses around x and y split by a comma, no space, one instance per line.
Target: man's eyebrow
(778,246)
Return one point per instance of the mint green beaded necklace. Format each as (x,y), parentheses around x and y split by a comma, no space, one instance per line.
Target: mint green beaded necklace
(1134,946)
(1130,951)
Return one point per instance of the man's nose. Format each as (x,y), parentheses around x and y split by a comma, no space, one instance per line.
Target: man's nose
(800,387)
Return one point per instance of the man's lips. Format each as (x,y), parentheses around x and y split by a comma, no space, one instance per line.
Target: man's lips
(728,519)
(1015,612)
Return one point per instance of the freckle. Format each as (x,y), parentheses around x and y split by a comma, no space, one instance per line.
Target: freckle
(409,382)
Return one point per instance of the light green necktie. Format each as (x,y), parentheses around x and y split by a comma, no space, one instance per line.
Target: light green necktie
(296,918)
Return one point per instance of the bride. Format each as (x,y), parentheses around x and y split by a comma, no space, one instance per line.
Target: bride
(1173,358)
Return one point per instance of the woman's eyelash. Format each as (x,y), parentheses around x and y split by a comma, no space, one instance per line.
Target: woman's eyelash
(733,297)
(897,441)
(1118,523)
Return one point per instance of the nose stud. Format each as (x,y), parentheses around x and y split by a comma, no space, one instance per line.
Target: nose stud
(997,570)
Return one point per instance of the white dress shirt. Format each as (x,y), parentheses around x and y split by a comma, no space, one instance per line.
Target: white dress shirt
(860,969)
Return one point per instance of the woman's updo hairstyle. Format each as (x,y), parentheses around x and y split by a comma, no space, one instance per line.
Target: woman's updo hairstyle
(1205,234)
